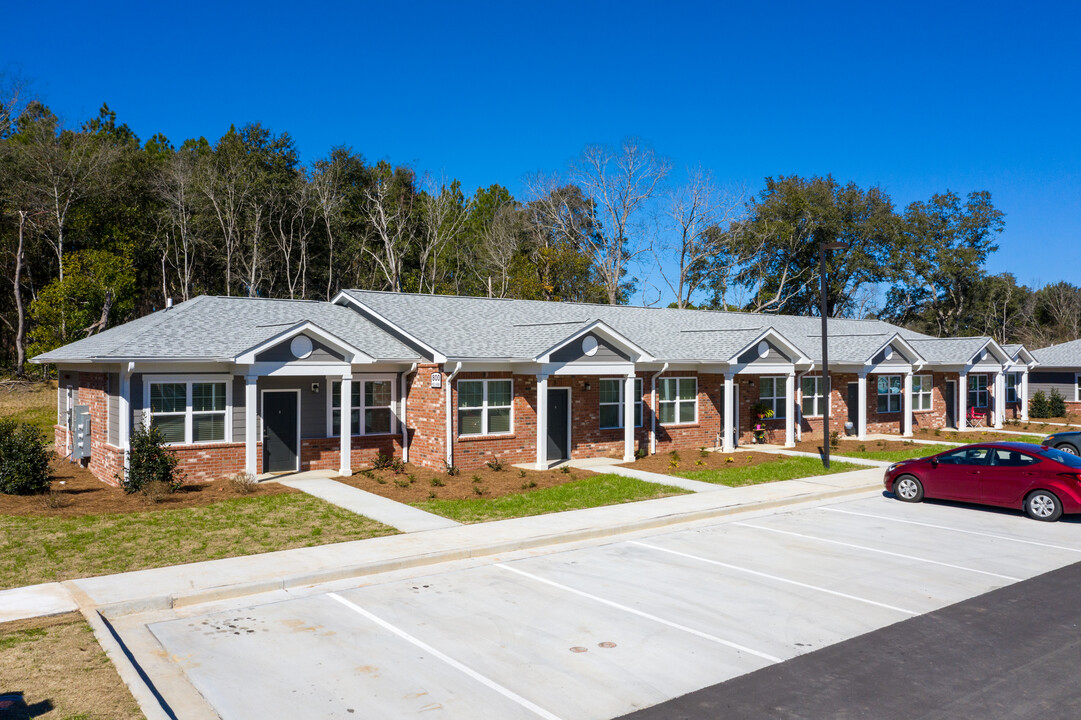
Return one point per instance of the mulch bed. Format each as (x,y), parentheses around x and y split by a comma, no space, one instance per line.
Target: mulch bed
(415,484)
(690,460)
(853,446)
(75,491)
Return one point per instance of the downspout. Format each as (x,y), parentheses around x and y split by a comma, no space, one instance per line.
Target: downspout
(405,427)
(653,401)
(450,429)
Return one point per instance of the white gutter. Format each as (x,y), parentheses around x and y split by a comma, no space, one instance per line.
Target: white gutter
(450,428)
(653,402)
(405,426)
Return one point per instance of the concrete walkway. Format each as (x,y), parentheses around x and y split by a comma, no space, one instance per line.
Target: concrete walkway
(35,601)
(398,515)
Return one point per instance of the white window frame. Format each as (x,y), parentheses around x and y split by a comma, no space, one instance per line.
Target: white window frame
(484,407)
(359,380)
(890,395)
(927,386)
(676,402)
(780,383)
(978,391)
(1077,387)
(188,381)
(65,395)
(819,396)
(639,405)
(1015,388)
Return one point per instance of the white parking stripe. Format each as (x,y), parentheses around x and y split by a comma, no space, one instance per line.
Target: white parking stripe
(510,694)
(773,577)
(639,613)
(952,529)
(877,550)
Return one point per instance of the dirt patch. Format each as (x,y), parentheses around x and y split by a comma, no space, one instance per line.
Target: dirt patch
(417,484)
(690,460)
(856,447)
(75,491)
(61,670)
(975,436)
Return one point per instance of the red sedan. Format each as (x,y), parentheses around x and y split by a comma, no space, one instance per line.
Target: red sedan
(1042,481)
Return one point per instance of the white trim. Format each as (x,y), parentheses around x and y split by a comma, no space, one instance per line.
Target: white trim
(819,395)
(484,407)
(542,422)
(677,402)
(929,392)
(360,379)
(622,391)
(262,405)
(986,391)
(437,357)
(251,425)
(916,359)
(603,329)
(899,395)
(247,357)
(1076,387)
(794,353)
(188,381)
(775,400)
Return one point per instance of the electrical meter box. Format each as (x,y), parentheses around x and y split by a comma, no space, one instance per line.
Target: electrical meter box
(80,425)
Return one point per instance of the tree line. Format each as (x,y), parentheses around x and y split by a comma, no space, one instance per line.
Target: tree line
(98,227)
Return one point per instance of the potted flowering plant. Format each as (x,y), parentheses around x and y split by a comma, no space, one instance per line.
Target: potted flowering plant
(761,412)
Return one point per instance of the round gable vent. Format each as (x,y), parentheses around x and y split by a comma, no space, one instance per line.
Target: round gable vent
(888,354)
(763,349)
(301,347)
(589,345)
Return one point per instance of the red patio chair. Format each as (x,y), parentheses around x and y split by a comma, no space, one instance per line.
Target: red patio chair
(976,418)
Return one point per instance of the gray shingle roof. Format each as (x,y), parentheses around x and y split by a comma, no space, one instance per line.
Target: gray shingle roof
(1064,355)
(211,328)
(468,327)
(950,351)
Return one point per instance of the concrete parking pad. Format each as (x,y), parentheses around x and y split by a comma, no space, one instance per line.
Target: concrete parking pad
(614,626)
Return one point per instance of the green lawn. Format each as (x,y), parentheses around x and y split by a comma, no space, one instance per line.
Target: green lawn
(590,492)
(916,450)
(788,468)
(38,549)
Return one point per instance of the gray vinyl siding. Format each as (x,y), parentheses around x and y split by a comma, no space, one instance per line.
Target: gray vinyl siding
(240,399)
(572,352)
(136,400)
(113,436)
(313,406)
(1047,381)
(67,379)
(775,355)
(897,359)
(321,352)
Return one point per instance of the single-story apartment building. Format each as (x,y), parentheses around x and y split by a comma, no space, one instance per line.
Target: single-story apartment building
(261,385)
(1060,369)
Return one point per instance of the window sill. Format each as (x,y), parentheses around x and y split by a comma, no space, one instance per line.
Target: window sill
(490,436)
(619,429)
(680,425)
(362,435)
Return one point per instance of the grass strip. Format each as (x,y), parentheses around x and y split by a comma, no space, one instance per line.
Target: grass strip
(595,491)
(914,451)
(40,549)
(788,468)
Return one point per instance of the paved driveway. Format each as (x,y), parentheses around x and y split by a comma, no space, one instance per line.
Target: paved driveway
(600,631)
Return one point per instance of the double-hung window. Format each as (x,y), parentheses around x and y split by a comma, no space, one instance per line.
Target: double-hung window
(814,395)
(771,393)
(921,391)
(1013,380)
(189,411)
(1077,387)
(370,401)
(677,400)
(977,391)
(484,406)
(889,393)
(612,391)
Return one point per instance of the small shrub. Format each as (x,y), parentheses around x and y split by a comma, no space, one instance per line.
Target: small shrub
(729,459)
(479,490)
(243,483)
(529,485)
(151,461)
(402,483)
(368,474)
(521,473)
(436,482)
(881,443)
(1039,406)
(452,470)
(495,464)
(699,461)
(640,453)
(52,499)
(380,480)
(703,453)
(863,448)
(566,470)
(835,439)
(1056,404)
(382,462)
(938,432)
(24,461)
(431,495)
(476,479)
(673,456)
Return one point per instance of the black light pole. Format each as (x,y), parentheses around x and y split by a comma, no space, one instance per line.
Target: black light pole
(825,352)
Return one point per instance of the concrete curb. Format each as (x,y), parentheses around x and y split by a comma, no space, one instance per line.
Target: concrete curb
(176,600)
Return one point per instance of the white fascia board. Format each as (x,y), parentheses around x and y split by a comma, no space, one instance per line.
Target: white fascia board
(606,331)
(796,355)
(763,369)
(992,345)
(358,356)
(915,358)
(437,357)
(888,369)
(287,369)
(584,369)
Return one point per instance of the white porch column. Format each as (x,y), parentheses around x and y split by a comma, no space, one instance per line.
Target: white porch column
(628,418)
(962,401)
(1024,395)
(124,408)
(861,429)
(1000,398)
(251,425)
(790,410)
(798,410)
(542,422)
(906,429)
(729,416)
(345,430)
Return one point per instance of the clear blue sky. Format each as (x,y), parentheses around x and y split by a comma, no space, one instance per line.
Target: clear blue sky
(916,97)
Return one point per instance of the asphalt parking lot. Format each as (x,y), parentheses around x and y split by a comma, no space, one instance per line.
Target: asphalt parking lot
(601,631)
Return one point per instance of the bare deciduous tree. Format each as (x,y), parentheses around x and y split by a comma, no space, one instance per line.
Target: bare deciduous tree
(619,182)
(292,214)
(388,213)
(175,186)
(444,211)
(328,199)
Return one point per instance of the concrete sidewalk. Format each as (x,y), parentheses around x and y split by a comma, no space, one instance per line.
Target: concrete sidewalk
(398,515)
(178,585)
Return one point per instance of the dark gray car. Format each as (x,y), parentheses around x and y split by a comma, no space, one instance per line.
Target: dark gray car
(1069,442)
